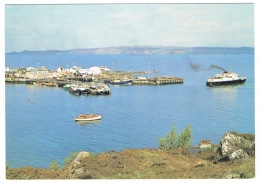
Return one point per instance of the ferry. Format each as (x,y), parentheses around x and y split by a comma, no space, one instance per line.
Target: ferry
(88,117)
(225,78)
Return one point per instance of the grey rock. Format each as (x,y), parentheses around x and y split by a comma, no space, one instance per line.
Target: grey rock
(230,143)
(82,155)
(75,166)
(79,171)
(238,154)
(229,175)
(76,162)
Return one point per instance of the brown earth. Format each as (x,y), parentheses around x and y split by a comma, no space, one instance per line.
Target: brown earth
(145,164)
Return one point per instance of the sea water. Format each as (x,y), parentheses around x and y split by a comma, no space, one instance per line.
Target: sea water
(40,123)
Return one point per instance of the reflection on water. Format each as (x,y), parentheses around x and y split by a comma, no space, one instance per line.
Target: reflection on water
(226,96)
(84,123)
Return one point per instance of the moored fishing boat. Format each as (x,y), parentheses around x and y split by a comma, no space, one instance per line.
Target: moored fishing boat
(69,86)
(88,117)
(75,91)
(121,82)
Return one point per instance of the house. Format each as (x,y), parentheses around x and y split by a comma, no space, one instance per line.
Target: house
(42,70)
(60,69)
(205,144)
(30,69)
(75,69)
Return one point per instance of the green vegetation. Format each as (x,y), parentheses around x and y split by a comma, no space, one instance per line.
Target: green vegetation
(250,137)
(68,160)
(184,139)
(245,167)
(171,141)
(25,177)
(92,154)
(54,165)
(145,164)
(7,165)
(21,70)
(173,162)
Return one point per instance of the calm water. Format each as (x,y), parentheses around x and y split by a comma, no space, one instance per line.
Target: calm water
(40,123)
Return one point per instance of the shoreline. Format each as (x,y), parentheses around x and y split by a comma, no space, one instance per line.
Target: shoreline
(142,163)
(227,160)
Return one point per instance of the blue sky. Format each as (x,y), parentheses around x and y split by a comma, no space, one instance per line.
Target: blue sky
(42,27)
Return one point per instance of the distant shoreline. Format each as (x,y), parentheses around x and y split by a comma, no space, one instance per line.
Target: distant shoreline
(146,50)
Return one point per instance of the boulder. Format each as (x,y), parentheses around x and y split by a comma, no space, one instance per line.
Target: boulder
(229,175)
(75,166)
(238,154)
(81,155)
(234,146)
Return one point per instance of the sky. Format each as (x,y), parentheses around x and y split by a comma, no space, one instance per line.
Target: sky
(62,27)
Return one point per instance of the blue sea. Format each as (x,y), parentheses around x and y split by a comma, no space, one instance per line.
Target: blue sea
(40,123)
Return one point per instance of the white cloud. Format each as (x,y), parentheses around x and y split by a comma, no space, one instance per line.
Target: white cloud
(129,24)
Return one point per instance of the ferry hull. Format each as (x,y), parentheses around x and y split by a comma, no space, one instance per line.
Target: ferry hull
(221,83)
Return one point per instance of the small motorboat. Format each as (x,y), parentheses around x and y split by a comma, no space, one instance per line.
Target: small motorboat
(88,117)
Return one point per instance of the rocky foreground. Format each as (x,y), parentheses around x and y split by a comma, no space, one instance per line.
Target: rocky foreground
(233,158)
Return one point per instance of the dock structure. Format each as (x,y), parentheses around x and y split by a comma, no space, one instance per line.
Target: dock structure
(158,81)
(20,80)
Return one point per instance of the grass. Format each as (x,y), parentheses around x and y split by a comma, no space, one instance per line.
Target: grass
(25,177)
(147,164)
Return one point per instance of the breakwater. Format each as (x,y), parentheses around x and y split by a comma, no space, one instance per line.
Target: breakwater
(43,82)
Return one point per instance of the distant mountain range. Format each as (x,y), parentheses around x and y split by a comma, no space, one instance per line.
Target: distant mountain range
(147,50)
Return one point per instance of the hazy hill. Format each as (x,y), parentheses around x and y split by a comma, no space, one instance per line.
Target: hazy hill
(148,50)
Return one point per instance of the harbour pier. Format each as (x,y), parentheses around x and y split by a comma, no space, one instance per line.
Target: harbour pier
(158,80)
(20,80)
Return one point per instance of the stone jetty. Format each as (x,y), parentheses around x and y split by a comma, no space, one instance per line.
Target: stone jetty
(158,80)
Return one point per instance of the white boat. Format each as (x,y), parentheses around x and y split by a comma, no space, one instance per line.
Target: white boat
(225,78)
(69,86)
(121,82)
(88,117)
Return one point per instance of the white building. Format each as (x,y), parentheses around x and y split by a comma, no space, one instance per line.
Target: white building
(60,69)
(75,69)
(94,70)
(30,69)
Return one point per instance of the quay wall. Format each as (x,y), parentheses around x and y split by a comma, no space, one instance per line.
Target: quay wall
(158,81)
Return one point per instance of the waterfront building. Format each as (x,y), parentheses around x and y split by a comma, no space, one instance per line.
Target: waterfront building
(75,69)
(7,69)
(60,70)
(31,69)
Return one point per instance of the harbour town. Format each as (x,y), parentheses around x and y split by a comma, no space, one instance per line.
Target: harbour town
(77,80)
(129,91)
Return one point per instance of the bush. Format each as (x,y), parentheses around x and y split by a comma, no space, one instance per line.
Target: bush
(68,160)
(7,165)
(171,141)
(54,165)
(184,139)
(25,177)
